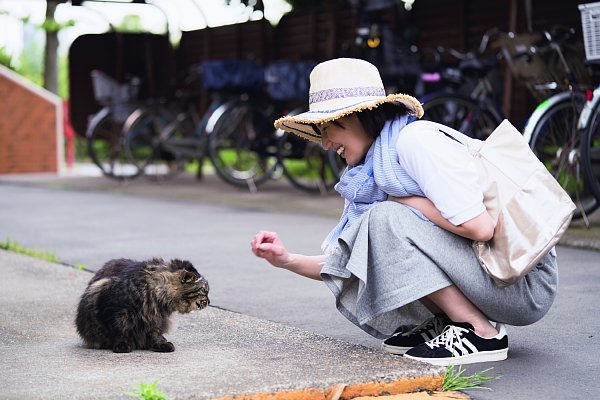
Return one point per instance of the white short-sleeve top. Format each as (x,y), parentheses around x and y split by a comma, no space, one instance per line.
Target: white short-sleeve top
(443,169)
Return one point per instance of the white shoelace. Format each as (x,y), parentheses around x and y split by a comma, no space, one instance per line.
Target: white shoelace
(452,340)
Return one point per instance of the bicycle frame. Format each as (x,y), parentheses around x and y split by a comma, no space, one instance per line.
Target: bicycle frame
(584,117)
(483,93)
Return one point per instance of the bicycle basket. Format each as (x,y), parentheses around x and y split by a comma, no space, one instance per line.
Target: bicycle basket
(104,86)
(590,22)
(288,80)
(108,92)
(539,67)
(232,74)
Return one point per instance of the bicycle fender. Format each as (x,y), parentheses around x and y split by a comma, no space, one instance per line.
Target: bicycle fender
(95,119)
(216,115)
(539,111)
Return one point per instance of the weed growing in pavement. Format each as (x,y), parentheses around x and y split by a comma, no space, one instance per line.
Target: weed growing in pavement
(454,379)
(148,391)
(14,246)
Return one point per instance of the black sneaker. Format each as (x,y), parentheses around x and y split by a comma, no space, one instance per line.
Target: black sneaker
(402,340)
(459,344)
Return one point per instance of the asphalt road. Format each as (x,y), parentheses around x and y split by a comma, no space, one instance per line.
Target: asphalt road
(556,358)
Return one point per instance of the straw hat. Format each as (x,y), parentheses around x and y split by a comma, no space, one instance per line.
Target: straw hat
(340,87)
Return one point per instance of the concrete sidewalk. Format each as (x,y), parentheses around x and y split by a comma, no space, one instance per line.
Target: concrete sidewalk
(218,353)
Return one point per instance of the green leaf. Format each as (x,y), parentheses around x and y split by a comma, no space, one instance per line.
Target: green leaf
(454,379)
(148,391)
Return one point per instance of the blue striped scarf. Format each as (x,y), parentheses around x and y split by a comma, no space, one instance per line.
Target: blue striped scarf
(364,185)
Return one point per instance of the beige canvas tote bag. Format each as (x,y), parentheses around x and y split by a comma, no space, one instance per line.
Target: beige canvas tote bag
(530,209)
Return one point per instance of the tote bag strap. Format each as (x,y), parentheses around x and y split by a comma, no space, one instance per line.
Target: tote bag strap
(473,145)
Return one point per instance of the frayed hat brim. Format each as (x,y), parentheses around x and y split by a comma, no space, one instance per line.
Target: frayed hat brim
(306,124)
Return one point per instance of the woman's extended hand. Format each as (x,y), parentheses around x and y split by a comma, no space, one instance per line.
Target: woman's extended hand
(267,245)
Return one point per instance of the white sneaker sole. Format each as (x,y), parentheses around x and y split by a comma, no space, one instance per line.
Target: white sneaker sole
(484,356)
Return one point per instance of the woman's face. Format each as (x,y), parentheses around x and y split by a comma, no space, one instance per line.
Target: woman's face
(347,137)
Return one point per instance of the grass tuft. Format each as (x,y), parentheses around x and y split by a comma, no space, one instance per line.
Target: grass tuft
(14,246)
(148,391)
(454,379)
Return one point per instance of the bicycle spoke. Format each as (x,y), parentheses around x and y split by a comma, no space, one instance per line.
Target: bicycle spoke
(306,164)
(105,147)
(239,146)
(556,142)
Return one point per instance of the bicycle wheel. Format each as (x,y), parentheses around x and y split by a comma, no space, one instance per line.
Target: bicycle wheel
(460,113)
(556,141)
(144,133)
(590,152)
(306,164)
(105,147)
(242,145)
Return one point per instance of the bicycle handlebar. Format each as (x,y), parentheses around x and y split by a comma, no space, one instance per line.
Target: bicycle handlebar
(551,41)
(469,55)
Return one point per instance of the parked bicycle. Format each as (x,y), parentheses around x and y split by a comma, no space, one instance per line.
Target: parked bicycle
(247,151)
(163,137)
(103,134)
(468,101)
(236,132)
(554,63)
(550,129)
(589,126)
(589,119)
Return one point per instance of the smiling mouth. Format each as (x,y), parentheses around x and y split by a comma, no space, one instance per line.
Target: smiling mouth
(340,150)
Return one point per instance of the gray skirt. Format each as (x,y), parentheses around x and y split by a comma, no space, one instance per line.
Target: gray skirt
(390,258)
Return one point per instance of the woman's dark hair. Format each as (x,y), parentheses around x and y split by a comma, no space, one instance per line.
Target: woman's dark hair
(374,120)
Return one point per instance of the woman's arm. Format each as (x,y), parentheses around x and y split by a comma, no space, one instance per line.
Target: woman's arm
(446,173)
(267,245)
(480,228)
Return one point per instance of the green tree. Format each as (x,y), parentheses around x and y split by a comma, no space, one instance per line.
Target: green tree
(130,23)
(29,63)
(6,59)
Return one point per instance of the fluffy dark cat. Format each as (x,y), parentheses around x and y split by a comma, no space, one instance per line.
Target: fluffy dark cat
(127,303)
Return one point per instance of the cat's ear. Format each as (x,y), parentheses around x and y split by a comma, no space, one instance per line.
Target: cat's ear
(177,264)
(188,277)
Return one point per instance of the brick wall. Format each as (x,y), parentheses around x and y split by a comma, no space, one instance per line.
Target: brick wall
(31,129)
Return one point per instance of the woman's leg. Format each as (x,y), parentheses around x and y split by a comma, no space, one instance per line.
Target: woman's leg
(430,305)
(457,307)
(376,284)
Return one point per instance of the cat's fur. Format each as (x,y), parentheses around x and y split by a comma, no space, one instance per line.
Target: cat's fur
(127,303)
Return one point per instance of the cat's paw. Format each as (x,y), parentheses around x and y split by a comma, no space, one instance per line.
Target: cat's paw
(164,347)
(122,347)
